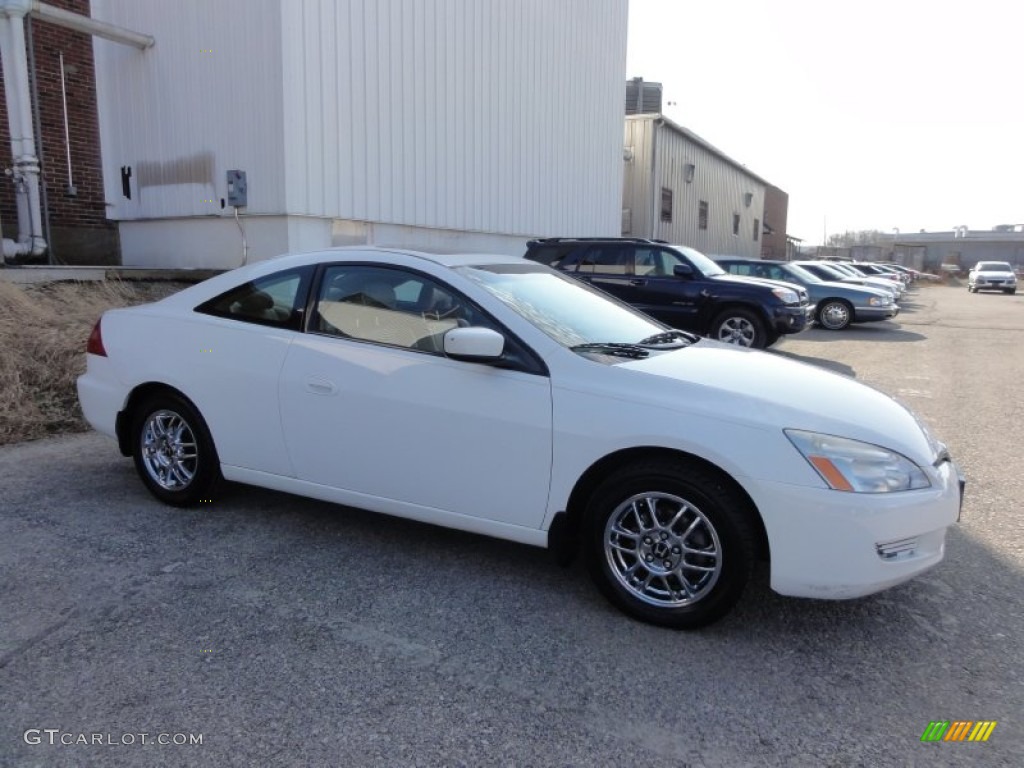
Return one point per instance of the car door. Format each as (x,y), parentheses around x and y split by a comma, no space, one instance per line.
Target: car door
(609,267)
(371,404)
(657,290)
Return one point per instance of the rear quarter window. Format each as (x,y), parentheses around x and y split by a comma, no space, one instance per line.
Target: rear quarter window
(551,255)
(275,300)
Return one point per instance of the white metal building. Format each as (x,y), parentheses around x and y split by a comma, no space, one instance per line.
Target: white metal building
(678,187)
(441,124)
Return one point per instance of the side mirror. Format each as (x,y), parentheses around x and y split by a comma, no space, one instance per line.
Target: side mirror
(474,344)
(682,270)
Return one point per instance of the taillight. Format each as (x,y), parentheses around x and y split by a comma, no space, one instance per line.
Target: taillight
(95,345)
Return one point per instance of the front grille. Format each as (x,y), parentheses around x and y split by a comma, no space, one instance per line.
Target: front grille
(901,549)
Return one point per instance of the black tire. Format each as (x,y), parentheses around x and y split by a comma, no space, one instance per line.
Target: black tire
(741,327)
(1010,291)
(835,314)
(713,517)
(166,429)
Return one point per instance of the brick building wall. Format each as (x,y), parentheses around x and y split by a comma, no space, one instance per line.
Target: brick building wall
(776,213)
(80,232)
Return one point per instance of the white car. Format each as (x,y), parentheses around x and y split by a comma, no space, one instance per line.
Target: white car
(992,276)
(495,395)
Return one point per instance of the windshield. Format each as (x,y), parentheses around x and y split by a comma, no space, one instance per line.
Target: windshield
(701,263)
(804,275)
(568,311)
(828,272)
(994,266)
(848,271)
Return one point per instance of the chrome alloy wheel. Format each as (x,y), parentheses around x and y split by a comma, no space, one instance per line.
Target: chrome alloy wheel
(663,549)
(737,330)
(169,451)
(835,315)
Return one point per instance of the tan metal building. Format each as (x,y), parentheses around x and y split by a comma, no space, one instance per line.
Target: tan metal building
(680,188)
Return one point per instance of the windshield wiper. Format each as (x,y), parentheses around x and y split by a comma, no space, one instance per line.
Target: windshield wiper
(668,337)
(612,348)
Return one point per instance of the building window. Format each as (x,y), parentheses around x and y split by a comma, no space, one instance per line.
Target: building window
(735,223)
(666,204)
(702,215)
(757,229)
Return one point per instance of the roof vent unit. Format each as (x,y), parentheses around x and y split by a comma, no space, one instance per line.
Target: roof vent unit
(642,98)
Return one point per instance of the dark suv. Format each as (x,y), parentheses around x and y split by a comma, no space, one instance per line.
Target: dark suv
(681,287)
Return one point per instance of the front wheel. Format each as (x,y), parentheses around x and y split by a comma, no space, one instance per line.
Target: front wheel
(173,451)
(835,315)
(1010,291)
(740,327)
(669,542)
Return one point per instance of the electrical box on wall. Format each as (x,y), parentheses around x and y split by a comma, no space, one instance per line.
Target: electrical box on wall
(238,189)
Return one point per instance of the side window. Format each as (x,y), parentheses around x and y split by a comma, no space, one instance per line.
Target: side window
(606,260)
(551,255)
(777,274)
(275,300)
(654,262)
(740,269)
(389,306)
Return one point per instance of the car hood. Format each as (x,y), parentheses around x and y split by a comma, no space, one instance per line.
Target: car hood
(867,290)
(748,280)
(765,389)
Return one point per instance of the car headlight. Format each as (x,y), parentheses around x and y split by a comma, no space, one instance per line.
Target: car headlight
(786,296)
(879,301)
(850,465)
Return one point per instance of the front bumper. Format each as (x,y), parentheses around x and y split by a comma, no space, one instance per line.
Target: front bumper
(836,545)
(792,319)
(995,284)
(870,314)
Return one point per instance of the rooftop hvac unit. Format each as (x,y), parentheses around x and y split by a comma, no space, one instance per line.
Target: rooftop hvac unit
(642,98)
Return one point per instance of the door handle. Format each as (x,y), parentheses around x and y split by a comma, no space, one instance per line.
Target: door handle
(638,282)
(320,386)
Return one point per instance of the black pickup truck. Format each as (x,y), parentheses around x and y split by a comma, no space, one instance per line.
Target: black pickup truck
(681,287)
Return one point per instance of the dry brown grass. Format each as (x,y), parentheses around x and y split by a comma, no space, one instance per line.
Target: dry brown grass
(43,332)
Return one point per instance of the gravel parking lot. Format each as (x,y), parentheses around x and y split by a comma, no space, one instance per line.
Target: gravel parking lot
(283,631)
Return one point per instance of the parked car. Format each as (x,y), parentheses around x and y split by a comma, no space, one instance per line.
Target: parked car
(992,276)
(852,275)
(501,397)
(681,287)
(912,275)
(838,304)
(871,270)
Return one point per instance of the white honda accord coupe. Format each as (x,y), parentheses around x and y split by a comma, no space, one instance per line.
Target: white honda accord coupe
(495,395)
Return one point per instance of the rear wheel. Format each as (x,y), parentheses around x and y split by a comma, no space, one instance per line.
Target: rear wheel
(173,451)
(669,542)
(835,314)
(741,327)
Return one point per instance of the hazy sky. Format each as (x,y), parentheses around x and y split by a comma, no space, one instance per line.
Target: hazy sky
(871,115)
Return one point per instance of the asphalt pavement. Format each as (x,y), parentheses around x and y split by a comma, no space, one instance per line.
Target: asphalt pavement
(275,630)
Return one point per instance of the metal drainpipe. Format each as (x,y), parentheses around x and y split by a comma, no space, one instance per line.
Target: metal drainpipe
(655,178)
(37,125)
(25,173)
(26,163)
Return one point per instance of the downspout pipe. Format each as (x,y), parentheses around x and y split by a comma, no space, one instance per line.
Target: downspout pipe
(656,124)
(25,173)
(25,170)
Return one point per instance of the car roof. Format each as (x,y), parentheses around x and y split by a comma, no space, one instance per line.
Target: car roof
(369,251)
